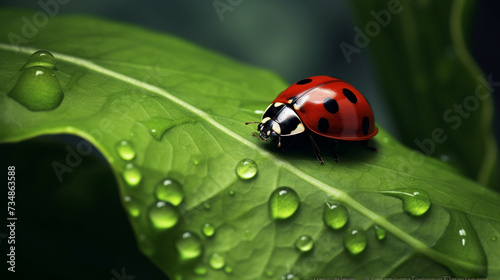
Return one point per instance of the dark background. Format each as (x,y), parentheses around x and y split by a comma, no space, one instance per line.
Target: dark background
(77,229)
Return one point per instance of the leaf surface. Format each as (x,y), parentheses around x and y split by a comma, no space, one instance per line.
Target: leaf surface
(182,109)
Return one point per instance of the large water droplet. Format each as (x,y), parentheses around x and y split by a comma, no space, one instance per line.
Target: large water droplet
(125,150)
(169,190)
(461,241)
(132,207)
(415,202)
(163,215)
(37,89)
(208,229)
(132,175)
(335,215)
(217,261)
(188,245)
(355,241)
(380,233)
(283,203)
(246,169)
(304,243)
(40,58)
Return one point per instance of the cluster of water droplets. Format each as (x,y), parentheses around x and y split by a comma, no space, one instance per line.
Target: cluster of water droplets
(38,88)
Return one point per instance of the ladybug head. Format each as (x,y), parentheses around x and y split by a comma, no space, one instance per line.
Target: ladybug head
(269,129)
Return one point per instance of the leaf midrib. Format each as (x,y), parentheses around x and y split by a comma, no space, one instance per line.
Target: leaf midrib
(333,192)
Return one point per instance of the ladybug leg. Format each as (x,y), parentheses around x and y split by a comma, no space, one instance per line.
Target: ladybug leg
(335,146)
(368,146)
(316,150)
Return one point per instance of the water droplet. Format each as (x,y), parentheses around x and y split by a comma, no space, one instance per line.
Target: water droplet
(188,245)
(132,207)
(290,276)
(217,261)
(158,126)
(228,269)
(380,233)
(415,202)
(355,241)
(169,190)
(207,205)
(125,150)
(385,140)
(304,243)
(132,175)
(461,241)
(283,203)
(200,269)
(208,229)
(37,89)
(494,238)
(163,215)
(231,192)
(335,215)
(269,273)
(246,169)
(40,58)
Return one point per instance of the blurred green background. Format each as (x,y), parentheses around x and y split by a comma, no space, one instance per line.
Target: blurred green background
(294,39)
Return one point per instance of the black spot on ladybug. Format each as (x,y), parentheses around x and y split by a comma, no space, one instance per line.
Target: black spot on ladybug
(365,125)
(323,125)
(350,95)
(331,105)
(304,81)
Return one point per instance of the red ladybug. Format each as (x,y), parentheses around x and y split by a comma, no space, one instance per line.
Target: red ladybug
(320,105)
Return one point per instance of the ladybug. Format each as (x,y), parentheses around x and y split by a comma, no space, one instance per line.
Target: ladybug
(320,105)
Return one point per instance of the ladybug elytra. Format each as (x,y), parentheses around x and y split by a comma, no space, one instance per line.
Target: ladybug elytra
(320,105)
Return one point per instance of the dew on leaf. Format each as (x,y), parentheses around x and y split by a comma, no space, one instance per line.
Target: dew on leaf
(40,58)
(125,150)
(207,205)
(355,241)
(37,89)
(169,190)
(217,261)
(246,169)
(415,202)
(269,273)
(188,245)
(132,207)
(290,276)
(335,215)
(228,269)
(304,243)
(231,192)
(158,126)
(132,175)
(163,215)
(494,238)
(208,229)
(200,269)
(461,241)
(380,233)
(283,203)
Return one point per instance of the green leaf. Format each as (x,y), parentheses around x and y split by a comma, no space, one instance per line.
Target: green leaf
(181,110)
(441,100)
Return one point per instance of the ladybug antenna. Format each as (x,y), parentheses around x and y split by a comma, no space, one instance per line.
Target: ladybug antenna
(247,123)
